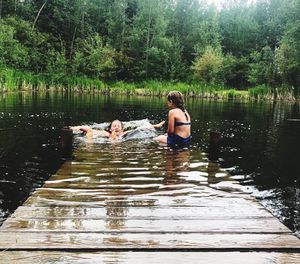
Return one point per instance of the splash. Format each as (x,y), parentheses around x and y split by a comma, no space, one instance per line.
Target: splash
(138,129)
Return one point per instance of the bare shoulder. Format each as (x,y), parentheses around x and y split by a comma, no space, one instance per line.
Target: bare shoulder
(174,111)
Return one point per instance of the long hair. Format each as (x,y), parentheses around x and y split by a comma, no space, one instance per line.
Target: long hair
(177,99)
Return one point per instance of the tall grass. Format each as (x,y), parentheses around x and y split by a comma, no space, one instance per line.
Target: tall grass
(263,92)
(7,80)
(155,87)
(12,80)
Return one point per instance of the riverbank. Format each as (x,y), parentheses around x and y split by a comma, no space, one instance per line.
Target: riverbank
(12,81)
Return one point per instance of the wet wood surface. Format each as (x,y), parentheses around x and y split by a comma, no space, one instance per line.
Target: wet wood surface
(149,257)
(119,213)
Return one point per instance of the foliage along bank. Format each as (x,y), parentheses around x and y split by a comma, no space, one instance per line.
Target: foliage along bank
(13,81)
(247,46)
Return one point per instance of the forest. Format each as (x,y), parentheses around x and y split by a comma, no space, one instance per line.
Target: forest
(195,46)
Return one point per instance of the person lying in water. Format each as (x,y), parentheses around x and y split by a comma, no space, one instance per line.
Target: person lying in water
(115,130)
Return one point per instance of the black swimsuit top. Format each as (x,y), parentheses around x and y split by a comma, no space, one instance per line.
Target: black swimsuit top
(182,123)
(177,123)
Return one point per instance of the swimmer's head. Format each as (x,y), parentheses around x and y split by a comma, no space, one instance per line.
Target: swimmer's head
(175,98)
(116,126)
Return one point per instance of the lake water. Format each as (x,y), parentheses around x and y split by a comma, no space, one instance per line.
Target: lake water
(259,147)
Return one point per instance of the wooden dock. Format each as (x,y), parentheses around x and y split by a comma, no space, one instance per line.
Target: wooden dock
(93,211)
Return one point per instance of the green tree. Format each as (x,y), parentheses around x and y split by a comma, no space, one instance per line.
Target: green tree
(65,20)
(57,62)
(229,70)
(239,29)
(13,53)
(147,43)
(36,43)
(207,66)
(175,64)
(256,42)
(262,68)
(95,59)
(288,58)
(288,55)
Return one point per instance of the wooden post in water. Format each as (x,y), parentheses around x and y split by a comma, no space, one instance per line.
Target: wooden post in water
(214,145)
(66,143)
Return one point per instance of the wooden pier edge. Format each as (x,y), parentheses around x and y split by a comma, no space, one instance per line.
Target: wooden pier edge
(67,221)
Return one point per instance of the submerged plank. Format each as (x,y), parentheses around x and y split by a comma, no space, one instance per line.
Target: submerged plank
(150,257)
(80,241)
(263,225)
(187,195)
(219,211)
(118,190)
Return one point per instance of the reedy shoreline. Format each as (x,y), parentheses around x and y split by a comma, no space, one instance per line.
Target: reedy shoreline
(15,81)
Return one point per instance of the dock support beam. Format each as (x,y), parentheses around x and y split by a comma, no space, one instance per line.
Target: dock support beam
(66,143)
(214,148)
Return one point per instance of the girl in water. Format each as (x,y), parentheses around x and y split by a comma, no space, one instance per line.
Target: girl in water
(179,122)
(115,130)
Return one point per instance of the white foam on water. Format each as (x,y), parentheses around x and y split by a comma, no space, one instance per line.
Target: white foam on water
(139,129)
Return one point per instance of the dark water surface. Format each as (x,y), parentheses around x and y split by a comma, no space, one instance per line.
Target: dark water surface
(260,147)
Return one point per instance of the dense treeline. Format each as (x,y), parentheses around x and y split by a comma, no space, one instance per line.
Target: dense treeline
(237,44)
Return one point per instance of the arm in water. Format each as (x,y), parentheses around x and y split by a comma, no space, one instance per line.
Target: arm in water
(89,132)
(155,126)
(159,125)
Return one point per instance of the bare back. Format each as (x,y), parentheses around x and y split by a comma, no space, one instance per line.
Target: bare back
(179,123)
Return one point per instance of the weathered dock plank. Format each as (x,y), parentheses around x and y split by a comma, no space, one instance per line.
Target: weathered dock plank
(263,225)
(149,257)
(131,241)
(240,210)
